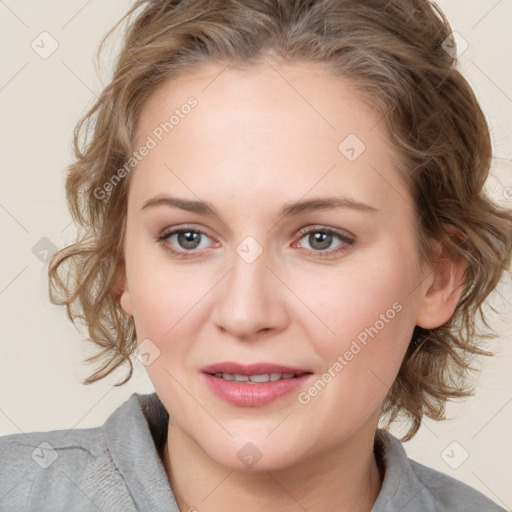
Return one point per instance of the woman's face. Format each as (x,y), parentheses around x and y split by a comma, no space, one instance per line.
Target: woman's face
(268,226)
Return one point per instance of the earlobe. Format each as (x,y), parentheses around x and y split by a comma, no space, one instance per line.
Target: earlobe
(121,288)
(126,302)
(443,292)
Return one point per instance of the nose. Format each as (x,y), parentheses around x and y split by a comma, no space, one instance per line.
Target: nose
(250,301)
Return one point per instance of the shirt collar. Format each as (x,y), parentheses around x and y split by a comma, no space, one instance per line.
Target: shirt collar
(132,434)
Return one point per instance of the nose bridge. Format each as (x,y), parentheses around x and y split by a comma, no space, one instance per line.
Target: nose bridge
(249,300)
(250,273)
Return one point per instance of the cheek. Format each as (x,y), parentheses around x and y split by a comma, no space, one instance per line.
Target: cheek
(370,307)
(370,310)
(164,297)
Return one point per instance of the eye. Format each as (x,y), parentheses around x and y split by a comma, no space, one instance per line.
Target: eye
(184,240)
(325,241)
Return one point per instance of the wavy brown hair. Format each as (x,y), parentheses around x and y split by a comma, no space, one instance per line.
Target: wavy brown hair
(393,51)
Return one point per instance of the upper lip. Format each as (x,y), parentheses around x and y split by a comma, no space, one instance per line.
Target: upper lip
(251,369)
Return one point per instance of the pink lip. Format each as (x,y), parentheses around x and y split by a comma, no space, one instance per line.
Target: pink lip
(252,395)
(250,369)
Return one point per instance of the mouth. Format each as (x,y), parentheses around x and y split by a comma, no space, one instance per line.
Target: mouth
(253,385)
(257,379)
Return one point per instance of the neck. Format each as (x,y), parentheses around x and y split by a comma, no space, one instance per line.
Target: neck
(346,477)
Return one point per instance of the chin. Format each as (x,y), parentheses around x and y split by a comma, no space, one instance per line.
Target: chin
(251,454)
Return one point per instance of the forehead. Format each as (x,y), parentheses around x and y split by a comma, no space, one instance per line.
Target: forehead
(281,131)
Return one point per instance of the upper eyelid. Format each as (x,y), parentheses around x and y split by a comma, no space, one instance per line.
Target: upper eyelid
(334,231)
(177,229)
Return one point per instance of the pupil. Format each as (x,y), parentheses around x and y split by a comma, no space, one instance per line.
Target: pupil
(320,240)
(188,239)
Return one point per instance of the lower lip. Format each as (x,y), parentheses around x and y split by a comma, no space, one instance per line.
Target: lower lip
(252,395)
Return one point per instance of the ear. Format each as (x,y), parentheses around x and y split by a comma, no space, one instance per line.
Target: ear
(444,287)
(121,289)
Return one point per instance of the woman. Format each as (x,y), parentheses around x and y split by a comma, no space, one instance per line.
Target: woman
(282,217)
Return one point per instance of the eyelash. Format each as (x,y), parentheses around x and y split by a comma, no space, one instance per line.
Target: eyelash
(168,233)
(347,241)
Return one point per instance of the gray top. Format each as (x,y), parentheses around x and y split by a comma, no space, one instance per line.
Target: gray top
(117,467)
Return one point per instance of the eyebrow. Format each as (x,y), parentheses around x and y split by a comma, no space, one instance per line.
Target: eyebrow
(288,210)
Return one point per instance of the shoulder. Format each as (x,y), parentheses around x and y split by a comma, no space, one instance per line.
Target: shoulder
(411,486)
(61,469)
(450,493)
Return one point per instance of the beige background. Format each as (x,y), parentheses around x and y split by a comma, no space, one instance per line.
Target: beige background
(42,98)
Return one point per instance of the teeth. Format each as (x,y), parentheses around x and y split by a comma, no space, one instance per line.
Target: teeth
(226,376)
(260,378)
(253,379)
